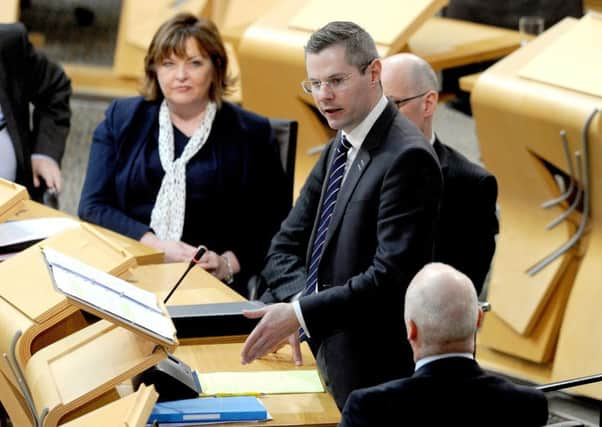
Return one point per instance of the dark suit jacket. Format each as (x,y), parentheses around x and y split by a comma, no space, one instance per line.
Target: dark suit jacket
(380,235)
(27,76)
(468,222)
(454,392)
(235,184)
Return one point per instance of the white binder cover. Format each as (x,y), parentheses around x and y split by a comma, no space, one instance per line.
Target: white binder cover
(110,295)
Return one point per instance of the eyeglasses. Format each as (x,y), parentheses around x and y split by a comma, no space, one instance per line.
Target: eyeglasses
(335,83)
(401,102)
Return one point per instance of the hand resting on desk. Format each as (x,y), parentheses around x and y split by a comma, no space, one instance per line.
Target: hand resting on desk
(278,325)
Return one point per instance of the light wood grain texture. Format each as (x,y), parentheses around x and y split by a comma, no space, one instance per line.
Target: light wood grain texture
(199,287)
(539,345)
(9,11)
(10,196)
(390,30)
(312,409)
(515,131)
(556,64)
(49,316)
(129,411)
(518,121)
(103,356)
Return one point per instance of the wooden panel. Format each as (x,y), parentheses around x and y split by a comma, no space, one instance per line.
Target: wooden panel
(539,345)
(199,287)
(10,196)
(556,64)
(9,11)
(518,123)
(446,42)
(528,115)
(389,22)
(130,411)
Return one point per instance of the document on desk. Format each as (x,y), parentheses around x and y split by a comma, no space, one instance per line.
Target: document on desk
(18,235)
(110,295)
(260,382)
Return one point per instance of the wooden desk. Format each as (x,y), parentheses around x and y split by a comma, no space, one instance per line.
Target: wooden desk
(314,409)
(9,11)
(310,409)
(215,354)
(28,209)
(546,326)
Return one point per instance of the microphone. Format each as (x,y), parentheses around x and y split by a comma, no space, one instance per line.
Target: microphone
(195,260)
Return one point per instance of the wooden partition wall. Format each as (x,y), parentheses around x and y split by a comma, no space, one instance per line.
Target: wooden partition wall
(540,134)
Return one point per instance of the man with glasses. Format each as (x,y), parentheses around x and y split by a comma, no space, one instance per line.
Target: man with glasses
(468,222)
(361,228)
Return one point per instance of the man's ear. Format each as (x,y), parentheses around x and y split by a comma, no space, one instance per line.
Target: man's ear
(480,318)
(430,103)
(412,330)
(375,70)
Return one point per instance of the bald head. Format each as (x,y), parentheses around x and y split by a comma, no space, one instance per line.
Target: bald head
(442,304)
(404,76)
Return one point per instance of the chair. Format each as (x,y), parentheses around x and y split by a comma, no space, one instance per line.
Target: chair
(285,132)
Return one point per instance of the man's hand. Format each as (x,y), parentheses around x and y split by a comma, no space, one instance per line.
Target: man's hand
(278,323)
(48,170)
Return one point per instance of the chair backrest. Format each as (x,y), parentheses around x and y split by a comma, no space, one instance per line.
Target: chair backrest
(285,132)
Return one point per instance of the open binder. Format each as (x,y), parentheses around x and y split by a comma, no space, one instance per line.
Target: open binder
(110,297)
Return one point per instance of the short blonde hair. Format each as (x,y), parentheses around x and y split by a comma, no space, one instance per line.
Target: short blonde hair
(171,38)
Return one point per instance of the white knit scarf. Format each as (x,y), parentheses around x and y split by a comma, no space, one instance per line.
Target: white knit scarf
(167,217)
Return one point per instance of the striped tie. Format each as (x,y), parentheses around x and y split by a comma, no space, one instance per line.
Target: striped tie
(335,178)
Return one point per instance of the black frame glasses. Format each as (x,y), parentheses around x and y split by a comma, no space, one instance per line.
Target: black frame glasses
(401,102)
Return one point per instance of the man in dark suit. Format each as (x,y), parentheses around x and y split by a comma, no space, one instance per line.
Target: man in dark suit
(468,222)
(442,315)
(352,251)
(31,156)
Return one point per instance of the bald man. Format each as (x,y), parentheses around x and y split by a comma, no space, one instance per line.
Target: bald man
(442,316)
(468,222)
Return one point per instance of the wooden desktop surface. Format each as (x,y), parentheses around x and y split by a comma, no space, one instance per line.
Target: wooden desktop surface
(308,409)
(28,209)
(223,353)
(313,409)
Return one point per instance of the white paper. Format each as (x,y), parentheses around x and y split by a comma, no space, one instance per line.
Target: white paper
(109,294)
(15,232)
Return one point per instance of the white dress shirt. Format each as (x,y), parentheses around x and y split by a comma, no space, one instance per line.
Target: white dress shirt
(356,138)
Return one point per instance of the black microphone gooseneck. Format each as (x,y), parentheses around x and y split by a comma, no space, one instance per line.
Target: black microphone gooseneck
(197,257)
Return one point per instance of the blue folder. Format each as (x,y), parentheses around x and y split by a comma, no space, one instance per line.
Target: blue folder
(209,409)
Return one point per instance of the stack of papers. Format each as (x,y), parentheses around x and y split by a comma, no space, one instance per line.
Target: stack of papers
(208,410)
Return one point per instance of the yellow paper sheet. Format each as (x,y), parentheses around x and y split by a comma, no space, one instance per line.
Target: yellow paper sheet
(260,382)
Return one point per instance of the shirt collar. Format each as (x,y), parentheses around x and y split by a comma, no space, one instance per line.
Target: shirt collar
(426,360)
(358,134)
(433,138)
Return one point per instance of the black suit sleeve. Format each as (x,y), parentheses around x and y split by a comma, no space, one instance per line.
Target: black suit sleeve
(49,90)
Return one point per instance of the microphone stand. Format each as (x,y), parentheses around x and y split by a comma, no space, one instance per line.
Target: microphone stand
(195,260)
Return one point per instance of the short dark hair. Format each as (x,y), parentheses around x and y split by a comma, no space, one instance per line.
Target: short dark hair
(171,38)
(360,49)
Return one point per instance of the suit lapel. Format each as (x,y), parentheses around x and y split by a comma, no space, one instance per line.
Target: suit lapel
(374,138)
(441,155)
